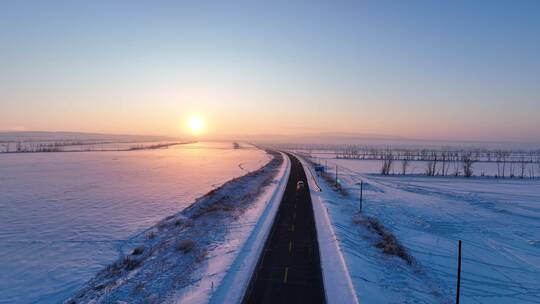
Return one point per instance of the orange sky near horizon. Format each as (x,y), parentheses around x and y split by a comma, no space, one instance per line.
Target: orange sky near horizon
(449,71)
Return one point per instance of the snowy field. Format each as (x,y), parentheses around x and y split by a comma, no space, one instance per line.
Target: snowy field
(64,216)
(497,220)
(76,142)
(187,256)
(47,146)
(483,168)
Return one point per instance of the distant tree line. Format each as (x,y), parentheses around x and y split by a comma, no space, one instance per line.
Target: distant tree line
(510,164)
(29,147)
(444,161)
(153,146)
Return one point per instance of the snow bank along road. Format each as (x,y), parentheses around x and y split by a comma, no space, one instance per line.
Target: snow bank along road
(289,269)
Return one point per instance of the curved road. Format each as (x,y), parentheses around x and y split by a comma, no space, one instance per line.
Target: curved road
(289,269)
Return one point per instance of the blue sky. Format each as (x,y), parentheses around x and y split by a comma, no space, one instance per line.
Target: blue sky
(423,69)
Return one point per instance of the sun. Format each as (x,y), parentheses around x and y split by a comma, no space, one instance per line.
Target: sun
(195,124)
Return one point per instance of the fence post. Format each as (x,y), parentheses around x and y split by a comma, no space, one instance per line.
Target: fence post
(458,273)
(336,176)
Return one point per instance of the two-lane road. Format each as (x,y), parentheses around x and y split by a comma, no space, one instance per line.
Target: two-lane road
(289,268)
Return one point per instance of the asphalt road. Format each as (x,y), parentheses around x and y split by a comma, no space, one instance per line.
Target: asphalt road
(289,269)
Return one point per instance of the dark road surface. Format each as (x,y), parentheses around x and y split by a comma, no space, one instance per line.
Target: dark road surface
(289,268)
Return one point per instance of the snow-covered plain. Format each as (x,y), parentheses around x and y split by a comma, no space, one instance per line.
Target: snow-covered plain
(481,169)
(497,220)
(64,216)
(16,142)
(186,256)
(47,146)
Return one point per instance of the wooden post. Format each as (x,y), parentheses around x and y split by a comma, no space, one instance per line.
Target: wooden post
(336,176)
(458,273)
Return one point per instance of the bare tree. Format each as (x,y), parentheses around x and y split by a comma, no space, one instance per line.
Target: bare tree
(531,167)
(444,166)
(405,162)
(467,162)
(511,168)
(456,165)
(501,158)
(404,166)
(538,165)
(387,159)
(431,168)
(522,166)
(498,160)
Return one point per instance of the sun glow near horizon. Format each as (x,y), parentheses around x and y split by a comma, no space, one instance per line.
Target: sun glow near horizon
(195,124)
(293,75)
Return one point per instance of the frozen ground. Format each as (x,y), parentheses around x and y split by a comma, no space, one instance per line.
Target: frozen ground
(185,257)
(64,216)
(488,169)
(498,221)
(47,146)
(73,141)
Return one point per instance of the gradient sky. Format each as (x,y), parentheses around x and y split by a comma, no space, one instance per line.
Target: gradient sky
(423,69)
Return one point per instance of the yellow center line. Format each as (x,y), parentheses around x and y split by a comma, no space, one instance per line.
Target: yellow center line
(290,246)
(286,273)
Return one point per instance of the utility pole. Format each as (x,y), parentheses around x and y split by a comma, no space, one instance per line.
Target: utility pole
(458,273)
